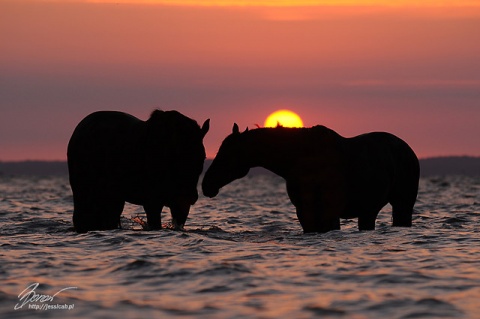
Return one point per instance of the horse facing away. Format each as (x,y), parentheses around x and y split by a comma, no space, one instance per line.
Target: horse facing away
(328,176)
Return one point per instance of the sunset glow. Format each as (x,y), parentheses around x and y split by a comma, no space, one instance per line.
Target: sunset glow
(283,118)
(295,3)
(407,67)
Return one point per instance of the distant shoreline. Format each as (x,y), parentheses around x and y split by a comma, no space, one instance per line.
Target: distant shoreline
(434,166)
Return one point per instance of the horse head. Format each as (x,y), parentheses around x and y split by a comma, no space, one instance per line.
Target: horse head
(228,165)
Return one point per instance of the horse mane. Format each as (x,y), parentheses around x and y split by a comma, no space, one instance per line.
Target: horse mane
(304,133)
(174,120)
(302,130)
(155,114)
(171,130)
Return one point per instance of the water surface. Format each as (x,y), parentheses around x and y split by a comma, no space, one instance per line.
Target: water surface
(243,255)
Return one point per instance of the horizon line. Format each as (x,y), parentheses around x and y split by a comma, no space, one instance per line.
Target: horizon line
(209,158)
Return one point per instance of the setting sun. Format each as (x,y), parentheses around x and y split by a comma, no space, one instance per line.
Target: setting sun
(284,118)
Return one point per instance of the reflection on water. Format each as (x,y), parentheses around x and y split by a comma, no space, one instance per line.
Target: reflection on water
(243,255)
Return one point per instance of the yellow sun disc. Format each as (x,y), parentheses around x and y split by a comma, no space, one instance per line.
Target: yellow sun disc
(283,118)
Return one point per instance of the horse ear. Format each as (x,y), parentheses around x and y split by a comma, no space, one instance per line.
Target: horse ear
(205,127)
(235,129)
(246,130)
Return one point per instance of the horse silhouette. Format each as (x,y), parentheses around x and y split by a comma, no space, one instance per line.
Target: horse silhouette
(114,157)
(328,177)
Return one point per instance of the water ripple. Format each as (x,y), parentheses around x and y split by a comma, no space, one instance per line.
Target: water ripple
(243,255)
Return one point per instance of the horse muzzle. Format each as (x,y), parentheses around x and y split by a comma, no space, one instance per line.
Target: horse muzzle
(210,192)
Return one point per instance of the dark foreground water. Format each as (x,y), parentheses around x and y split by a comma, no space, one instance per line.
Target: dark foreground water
(243,255)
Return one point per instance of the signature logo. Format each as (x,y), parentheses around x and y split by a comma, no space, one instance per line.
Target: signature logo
(38,301)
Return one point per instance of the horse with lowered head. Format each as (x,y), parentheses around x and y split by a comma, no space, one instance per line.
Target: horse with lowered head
(328,177)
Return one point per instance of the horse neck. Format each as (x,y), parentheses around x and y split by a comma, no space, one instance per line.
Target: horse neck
(270,149)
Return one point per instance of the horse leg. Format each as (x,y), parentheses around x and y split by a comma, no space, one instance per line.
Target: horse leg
(315,217)
(402,215)
(83,218)
(328,223)
(402,209)
(154,216)
(367,221)
(403,197)
(96,211)
(316,211)
(306,217)
(109,212)
(330,203)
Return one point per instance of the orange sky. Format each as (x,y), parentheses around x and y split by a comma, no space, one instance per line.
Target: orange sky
(299,3)
(410,70)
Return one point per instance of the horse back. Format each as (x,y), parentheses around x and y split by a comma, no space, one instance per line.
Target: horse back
(104,123)
(104,141)
(382,151)
(103,130)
